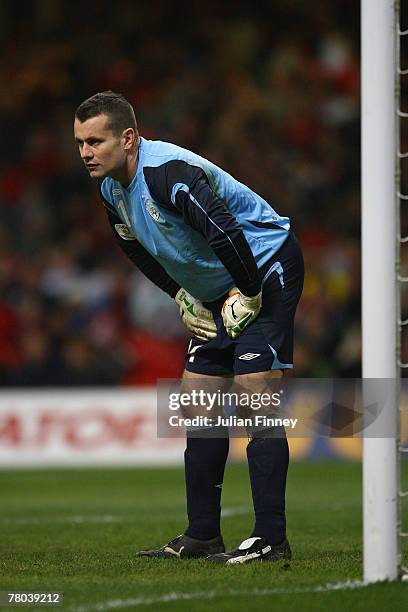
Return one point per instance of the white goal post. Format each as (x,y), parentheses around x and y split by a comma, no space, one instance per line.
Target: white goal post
(380,279)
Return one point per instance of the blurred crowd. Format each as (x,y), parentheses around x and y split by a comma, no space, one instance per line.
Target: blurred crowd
(269,92)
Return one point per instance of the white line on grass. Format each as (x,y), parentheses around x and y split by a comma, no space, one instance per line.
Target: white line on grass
(115,604)
(104,518)
(237,511)
(65,520)
(90,519)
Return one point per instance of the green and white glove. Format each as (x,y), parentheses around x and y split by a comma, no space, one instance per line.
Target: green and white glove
(198,319)
(238,311)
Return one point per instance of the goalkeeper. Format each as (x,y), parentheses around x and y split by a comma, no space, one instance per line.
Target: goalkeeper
(235,269)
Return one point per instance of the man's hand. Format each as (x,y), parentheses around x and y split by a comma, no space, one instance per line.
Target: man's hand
(238,311)
(198,319)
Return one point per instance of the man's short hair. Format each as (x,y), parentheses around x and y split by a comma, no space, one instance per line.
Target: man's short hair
(120,113)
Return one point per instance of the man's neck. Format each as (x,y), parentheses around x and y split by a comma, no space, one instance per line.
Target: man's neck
(128,173)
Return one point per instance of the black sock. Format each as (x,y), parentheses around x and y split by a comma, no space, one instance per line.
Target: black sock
(268,460)
(204,461)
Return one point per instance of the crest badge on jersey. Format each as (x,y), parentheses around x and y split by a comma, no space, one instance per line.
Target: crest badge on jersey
(153,212)
(124,231)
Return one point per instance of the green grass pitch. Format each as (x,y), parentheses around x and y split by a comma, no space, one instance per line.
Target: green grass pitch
(75,531)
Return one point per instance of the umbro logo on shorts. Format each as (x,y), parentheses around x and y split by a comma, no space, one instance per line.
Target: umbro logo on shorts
(249,356)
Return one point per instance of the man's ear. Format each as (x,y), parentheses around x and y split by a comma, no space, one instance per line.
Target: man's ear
(129,138)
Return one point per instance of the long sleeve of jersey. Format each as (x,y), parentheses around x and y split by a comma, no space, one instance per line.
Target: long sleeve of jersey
(186,187)
(140,257)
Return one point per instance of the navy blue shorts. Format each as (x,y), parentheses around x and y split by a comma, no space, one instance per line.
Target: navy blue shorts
(267,343)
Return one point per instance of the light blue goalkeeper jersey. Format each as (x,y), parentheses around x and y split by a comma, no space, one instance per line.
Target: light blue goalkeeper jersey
(189,214)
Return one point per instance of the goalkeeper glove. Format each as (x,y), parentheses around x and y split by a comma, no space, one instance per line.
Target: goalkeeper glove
(198,319)
(238,311)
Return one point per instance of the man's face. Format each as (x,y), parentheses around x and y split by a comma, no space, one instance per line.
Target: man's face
(102,152)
